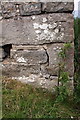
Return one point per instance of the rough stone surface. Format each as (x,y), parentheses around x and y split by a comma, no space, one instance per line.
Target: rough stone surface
(38,0)
(54,59)
(57,7)
(49,28)
(13,69)
(0,9)
(30,9)
(3,54)
(46,57)
(8,9)
(39,81)
(15,9)
(30,55)
(53,51)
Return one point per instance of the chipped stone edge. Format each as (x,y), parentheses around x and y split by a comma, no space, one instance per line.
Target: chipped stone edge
(36,0)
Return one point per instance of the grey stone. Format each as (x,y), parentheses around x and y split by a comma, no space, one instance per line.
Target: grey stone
(8,9)
(53,51)
(3,54)
(38,0)
(38,81)
(69,61)
(12,69)
(30,8)
(29,54)
(58,7)
(0,10)
(54,59)
(41,29)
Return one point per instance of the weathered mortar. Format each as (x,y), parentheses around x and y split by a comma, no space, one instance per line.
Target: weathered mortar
(35,34)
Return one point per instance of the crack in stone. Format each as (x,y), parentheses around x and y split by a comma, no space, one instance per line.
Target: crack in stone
(47,56)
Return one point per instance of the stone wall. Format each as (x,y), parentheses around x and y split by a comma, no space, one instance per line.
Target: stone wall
(32,37)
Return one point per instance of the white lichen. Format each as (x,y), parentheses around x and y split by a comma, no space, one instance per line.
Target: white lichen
(35,25)
(44,20)
(0,17)
(56,30)
(55,59)
(21,59)
(43,26)
(46,31)
(50,26)
(54,25)
(33,17)
(38,31)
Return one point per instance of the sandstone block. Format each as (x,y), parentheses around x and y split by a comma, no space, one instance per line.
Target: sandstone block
(41,29)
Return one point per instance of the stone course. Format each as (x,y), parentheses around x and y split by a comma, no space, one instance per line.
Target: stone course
(57,7)
(41,29)
(33,34)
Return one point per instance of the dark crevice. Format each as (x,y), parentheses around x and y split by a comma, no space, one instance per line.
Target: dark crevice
(45,12)
(44,43)
(6,50)
(47,56)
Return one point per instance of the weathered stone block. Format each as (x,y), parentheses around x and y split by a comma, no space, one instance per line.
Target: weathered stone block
(41,29)
(29,54)
(12,69)
(3,54)
(8,9)
(0,10)
(40,0)
(30,8)
(57,7)
(54,60)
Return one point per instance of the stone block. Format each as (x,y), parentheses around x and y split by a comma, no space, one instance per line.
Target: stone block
(39,0)
(38,81)
(54,60)
(8,9)
(30,8)
(12,69)
(3,54)
(58,7)
(41,29)
(29,54)
(0,10)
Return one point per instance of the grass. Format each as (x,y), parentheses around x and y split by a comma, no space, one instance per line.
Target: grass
(24,101)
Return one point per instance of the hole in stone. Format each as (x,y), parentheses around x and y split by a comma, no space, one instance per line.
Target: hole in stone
(20,49)
(6,50)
